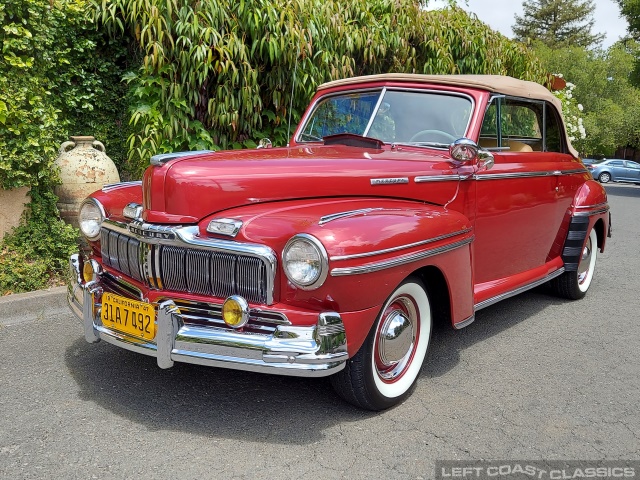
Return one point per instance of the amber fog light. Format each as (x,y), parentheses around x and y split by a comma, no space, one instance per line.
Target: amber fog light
(90,270)
(235,311)
(87,272)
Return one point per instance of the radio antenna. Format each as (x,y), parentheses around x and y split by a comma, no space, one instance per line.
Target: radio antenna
(293,86)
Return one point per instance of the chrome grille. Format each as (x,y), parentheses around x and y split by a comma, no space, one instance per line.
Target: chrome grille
(199,271)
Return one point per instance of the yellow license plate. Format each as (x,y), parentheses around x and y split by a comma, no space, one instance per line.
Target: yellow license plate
(128,316)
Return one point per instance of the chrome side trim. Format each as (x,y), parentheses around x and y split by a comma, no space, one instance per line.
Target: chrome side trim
(589,213)
(114,186)
(161,159)
(401,247)
(389,181)
(351,213)
(465,323)
(517,291)
(592,212)
(548,173)
(596,205)
(395,262)
(436,178)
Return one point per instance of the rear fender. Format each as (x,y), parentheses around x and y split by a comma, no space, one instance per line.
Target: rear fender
(589,209)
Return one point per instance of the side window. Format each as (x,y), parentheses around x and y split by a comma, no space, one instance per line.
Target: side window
(554,132)
(634,165)
(522,121)
(514,124)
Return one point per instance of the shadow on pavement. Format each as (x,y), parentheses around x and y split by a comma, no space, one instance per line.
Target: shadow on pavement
(235,404)
(446,343)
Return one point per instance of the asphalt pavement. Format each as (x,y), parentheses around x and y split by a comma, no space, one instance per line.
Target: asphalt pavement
(535,377)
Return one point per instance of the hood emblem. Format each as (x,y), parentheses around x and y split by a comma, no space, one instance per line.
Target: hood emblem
(389,181)
(152,231)
(224,226)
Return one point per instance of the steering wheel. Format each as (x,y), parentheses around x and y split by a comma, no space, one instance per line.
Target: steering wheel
(432,133)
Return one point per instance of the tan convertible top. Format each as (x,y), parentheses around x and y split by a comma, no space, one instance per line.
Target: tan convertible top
(491,83)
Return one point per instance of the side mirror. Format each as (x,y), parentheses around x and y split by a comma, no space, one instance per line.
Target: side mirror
(465,150)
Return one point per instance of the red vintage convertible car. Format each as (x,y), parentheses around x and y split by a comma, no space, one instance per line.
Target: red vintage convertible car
(402,199)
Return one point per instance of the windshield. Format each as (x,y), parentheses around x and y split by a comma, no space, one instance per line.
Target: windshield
(392,116)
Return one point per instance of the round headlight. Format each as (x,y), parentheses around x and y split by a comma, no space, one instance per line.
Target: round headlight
(90,218)
(305,261)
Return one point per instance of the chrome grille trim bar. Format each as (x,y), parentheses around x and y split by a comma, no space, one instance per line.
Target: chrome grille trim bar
(161,256)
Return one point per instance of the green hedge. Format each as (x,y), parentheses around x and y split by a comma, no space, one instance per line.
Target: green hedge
(219,74)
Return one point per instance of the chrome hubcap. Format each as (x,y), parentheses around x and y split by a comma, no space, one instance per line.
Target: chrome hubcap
(396,339)
(585,262)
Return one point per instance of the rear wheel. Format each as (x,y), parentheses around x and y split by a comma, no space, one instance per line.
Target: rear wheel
(574,285)
(605,177)
(385,369)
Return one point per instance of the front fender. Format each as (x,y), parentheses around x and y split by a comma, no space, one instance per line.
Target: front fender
(372,244)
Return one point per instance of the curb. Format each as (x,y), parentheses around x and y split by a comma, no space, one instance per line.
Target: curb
(27,307)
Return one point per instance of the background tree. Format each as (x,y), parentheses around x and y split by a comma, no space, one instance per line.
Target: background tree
(557,23)
(611,103)
(630,9)
(58,76)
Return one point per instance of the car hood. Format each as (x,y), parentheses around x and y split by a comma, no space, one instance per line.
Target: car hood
(189,188)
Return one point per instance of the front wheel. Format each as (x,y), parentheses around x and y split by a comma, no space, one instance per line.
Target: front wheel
(385,369)
(604,177)
(574,285)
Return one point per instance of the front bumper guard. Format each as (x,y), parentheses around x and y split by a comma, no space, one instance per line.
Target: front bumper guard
(312,351)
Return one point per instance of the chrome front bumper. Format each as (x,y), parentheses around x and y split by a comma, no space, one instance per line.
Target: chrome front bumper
(310,351)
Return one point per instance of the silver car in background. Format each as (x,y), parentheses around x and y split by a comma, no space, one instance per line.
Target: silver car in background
(616,170)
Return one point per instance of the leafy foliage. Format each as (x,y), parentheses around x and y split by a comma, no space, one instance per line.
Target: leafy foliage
(220,74)
(35,254)
(573,118)
(630,9)
(58,76)
(611,104)
(557,23)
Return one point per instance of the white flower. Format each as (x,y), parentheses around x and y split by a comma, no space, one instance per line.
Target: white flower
(583,133)
(580,107)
